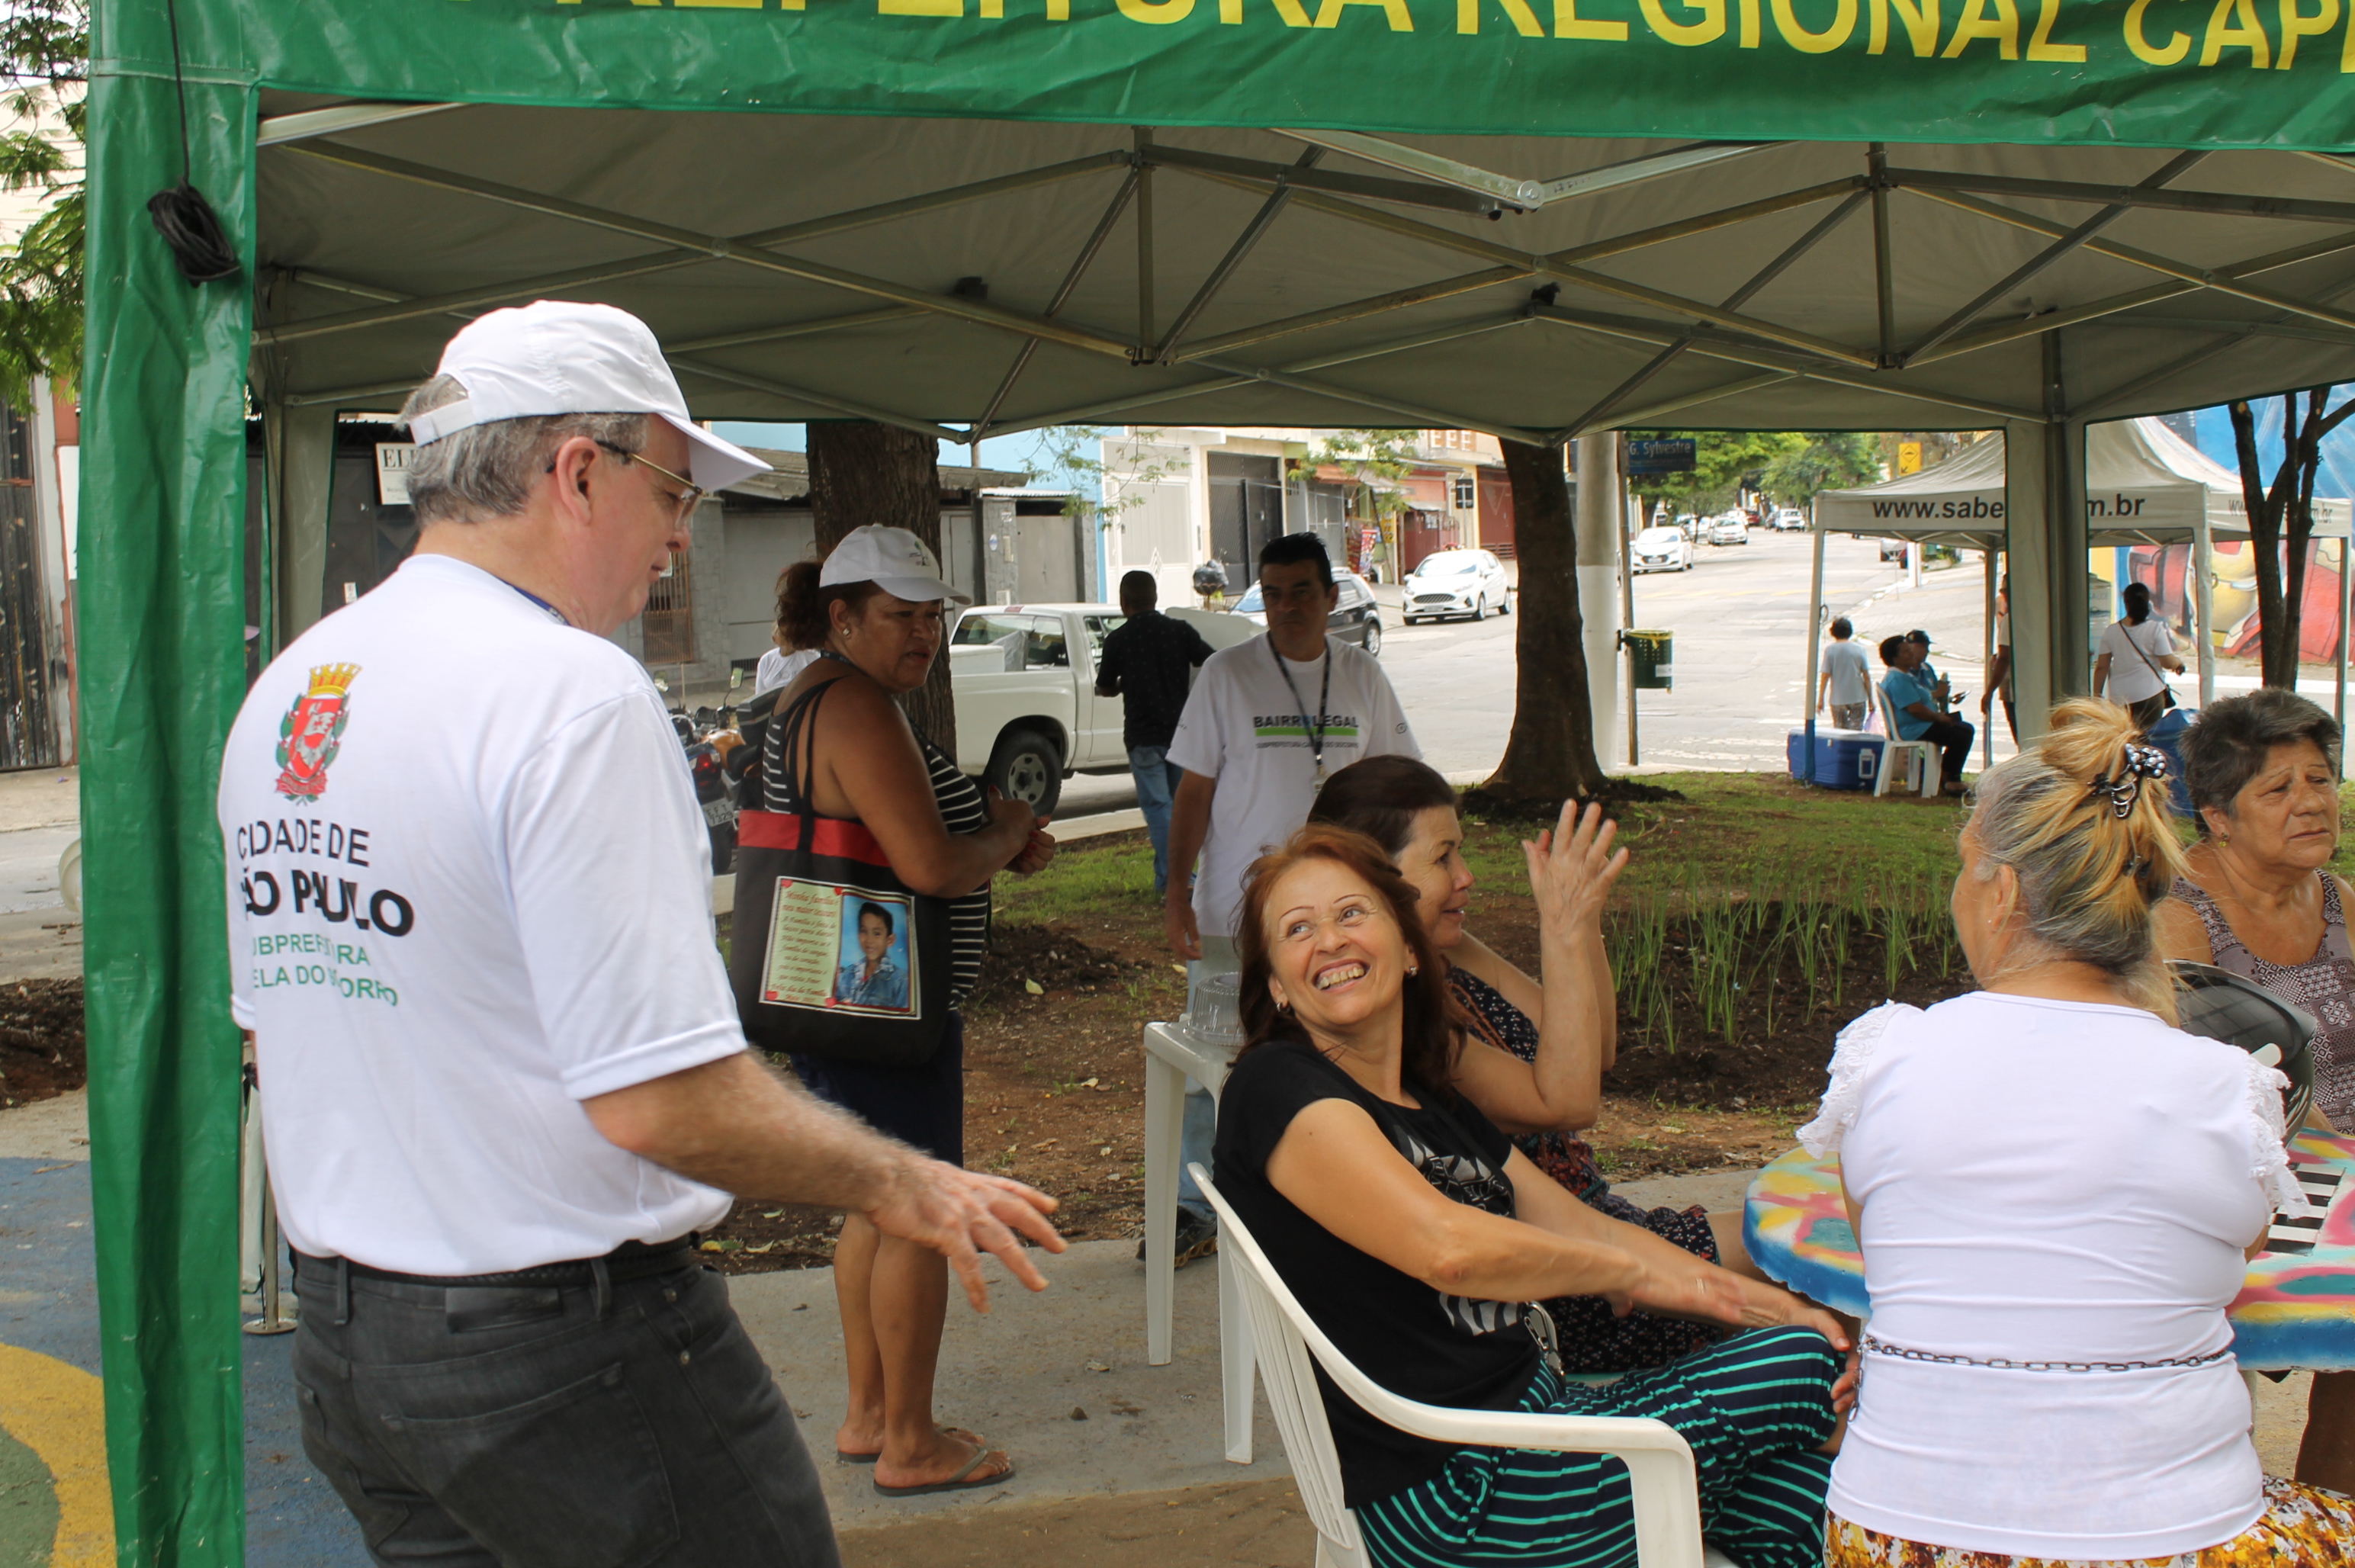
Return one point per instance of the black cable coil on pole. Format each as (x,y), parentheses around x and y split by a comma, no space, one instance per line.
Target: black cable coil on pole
(182,216)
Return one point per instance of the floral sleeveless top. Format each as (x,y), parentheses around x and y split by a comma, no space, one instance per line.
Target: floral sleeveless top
(1566,1159)
(2324,986)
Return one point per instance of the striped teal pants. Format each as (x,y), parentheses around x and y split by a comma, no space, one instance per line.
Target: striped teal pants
(1753,1407)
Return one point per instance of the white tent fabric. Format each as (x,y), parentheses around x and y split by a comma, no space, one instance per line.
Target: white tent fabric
(2144,484)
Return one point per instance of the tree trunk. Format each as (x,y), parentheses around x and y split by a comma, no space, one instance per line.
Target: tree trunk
(2283,517)
(2264,548)
(861,471)
(1550,755)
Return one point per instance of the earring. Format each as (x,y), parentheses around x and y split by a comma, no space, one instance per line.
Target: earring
(1285,1006)
(1411,971)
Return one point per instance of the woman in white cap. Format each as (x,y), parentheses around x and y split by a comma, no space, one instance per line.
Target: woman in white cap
(872,613)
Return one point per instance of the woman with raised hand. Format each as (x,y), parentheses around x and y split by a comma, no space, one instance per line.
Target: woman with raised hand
(1552,1090)
(2257,897)
(1414,1234)
(2055,1190)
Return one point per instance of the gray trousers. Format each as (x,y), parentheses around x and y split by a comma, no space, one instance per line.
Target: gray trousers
(554,1427)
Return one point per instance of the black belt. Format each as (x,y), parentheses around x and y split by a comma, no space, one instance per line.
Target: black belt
(631,1260)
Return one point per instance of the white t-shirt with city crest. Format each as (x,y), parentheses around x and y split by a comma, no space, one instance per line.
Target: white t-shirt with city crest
(468,889)
(1249,730)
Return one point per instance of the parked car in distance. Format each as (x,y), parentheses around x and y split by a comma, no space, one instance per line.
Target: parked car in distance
(1892,549)
(1023,678)
(1660,550)
(1789,518)
(1689,525)
(1729,530)
(1357,617)
(1456,583)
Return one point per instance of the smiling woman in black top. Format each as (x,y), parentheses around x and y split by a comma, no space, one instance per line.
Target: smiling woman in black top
(1414,1234)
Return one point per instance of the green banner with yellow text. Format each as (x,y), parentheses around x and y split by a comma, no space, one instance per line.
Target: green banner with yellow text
(2179,74)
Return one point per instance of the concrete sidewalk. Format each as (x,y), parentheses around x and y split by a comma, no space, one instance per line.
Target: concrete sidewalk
(1144,1469)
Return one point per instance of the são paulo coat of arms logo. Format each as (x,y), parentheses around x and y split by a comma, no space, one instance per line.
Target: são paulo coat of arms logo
(312,731)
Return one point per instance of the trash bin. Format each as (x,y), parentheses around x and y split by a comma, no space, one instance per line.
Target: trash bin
(1652,654)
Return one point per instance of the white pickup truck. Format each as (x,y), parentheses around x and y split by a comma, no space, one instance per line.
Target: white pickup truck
(1024,677)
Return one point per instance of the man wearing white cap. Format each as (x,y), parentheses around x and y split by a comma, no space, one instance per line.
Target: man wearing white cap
(503,1075)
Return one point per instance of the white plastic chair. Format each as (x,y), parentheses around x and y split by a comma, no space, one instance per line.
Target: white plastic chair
(1288,1346)
(1914,754)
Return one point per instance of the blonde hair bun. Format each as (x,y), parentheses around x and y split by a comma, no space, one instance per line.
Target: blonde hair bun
(2082,819)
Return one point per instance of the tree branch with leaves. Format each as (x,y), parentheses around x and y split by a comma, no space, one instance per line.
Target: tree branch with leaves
(44,72)
(2281,515)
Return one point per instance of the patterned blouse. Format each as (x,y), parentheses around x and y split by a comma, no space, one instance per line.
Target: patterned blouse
(1562,1155)
(2324,986)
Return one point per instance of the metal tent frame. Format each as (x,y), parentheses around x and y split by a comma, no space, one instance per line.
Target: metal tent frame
(1744,215)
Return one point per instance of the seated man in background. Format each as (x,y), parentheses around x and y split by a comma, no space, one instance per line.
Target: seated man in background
(1920,716)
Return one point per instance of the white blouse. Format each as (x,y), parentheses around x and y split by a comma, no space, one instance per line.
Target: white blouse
(2040,1180)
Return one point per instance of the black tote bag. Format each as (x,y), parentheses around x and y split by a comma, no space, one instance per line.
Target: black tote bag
(832,956)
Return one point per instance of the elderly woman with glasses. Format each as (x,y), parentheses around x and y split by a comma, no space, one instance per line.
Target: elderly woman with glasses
(2258,897)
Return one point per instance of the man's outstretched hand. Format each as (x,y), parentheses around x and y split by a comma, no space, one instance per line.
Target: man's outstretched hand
(962,1214)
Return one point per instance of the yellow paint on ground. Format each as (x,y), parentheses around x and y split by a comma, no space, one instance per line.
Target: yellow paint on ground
(60,1412)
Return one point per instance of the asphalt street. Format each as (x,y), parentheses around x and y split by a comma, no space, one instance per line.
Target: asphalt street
(1740,617)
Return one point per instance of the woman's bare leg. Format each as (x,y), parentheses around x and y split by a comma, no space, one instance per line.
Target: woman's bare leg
(1731,1255)
(853,1275)
(906,1306)
(2325,1456)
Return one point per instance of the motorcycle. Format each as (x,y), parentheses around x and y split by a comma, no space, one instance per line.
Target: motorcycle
(708,739)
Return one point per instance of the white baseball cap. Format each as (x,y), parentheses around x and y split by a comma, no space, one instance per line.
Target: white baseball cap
(559,357)
(893,559)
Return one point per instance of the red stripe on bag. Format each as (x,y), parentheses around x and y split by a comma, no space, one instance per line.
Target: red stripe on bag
(829,835)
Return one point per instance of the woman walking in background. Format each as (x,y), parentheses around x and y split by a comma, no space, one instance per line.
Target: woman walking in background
(873,615)
(2135,654)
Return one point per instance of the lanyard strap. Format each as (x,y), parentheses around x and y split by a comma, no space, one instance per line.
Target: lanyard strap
(1314,726)
(553,613)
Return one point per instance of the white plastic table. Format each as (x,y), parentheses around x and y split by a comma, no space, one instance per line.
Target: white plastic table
(1170,1058)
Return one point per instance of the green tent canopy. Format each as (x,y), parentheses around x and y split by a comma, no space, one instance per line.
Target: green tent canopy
(1529,216)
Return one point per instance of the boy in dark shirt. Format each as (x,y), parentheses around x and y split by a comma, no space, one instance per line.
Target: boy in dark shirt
(1148,661)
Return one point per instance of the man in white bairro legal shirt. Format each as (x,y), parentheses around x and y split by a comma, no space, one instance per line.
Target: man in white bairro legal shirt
(1267,723)
(502,1075)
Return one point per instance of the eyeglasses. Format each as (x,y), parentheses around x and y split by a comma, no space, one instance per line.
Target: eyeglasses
(685,498)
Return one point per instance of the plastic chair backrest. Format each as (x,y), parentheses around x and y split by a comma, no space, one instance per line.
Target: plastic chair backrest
(1289,1376)
(1886,707)
(1286,1339)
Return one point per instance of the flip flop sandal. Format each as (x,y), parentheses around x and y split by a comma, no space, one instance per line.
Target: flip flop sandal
(963,1481)
(843,1456)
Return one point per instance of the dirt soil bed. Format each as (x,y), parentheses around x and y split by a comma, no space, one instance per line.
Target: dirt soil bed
(1777,1067)
(41,1047)
(1054,1087)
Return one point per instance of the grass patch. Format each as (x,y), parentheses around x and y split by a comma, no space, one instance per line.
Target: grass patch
(1753,835)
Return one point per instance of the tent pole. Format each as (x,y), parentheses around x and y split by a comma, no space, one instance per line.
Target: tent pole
(2338,709)
(1990,699)
(1627,594)
(1815,650)
(2203,582)
(1600,523)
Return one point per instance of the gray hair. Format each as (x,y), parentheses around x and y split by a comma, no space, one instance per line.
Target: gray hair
(2223,751)
(487,470)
